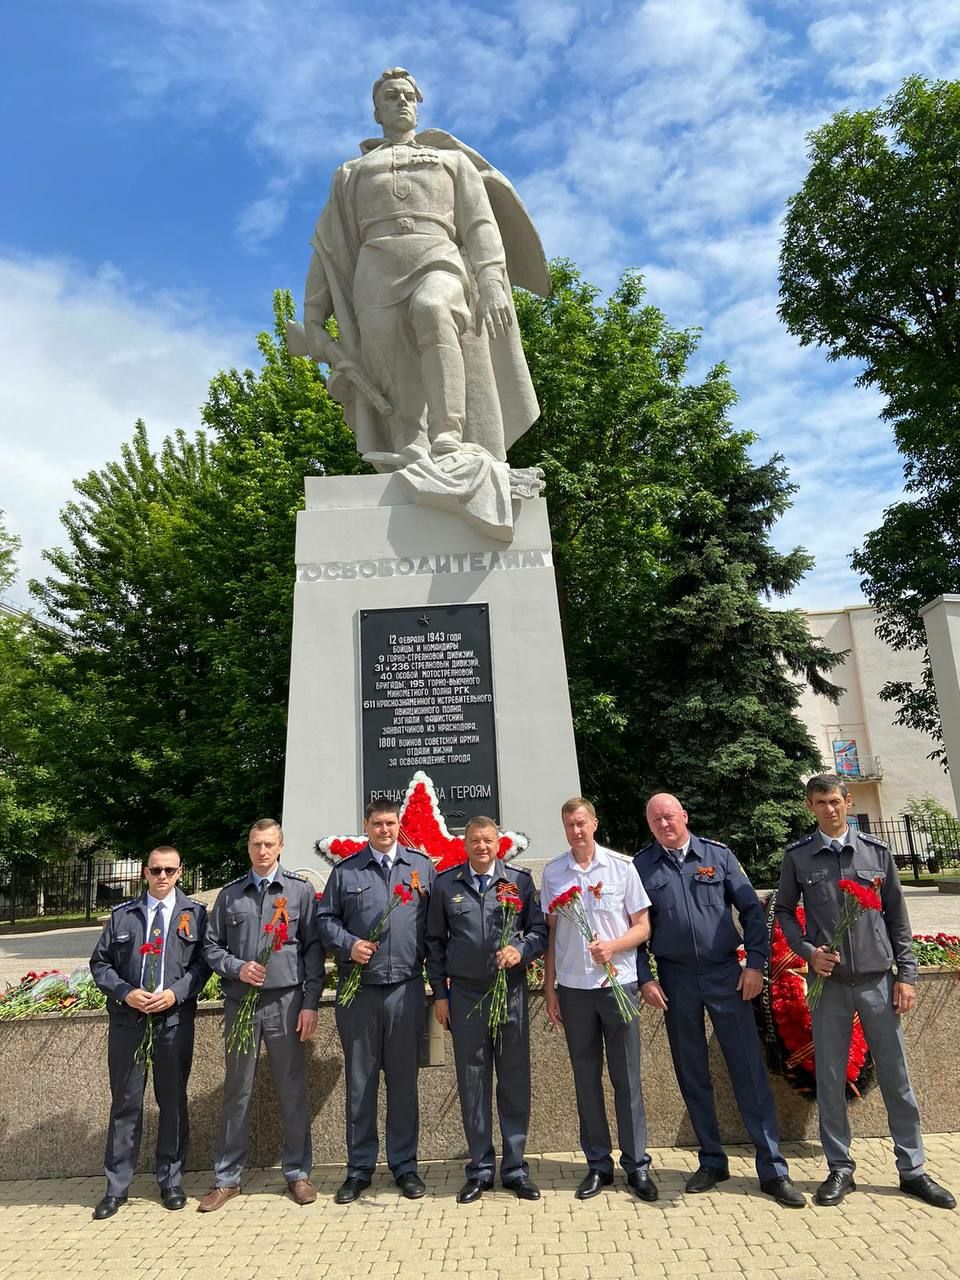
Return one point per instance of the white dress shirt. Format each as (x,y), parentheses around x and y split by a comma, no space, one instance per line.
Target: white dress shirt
(621,895)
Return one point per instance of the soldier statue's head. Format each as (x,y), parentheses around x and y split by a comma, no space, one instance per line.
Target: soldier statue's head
(395,98)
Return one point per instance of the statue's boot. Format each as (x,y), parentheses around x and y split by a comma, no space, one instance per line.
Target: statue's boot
(444,384)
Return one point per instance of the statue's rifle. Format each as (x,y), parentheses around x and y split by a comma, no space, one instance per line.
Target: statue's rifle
(342,366)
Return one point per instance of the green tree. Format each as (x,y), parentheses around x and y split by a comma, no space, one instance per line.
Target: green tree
(176,596)
(32,822)
(681,677)
(870,270)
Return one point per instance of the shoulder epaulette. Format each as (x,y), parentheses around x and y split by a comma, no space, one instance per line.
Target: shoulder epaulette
(872,839)
(292,875)
(195,902)
(448,870)
(645,848)
(802,841)
(523,871)
(717,844)
(239,880)
(130,902)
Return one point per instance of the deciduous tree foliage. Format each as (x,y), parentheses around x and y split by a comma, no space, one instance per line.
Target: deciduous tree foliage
(176,589)
(682,677)
(33,821)
(870,269)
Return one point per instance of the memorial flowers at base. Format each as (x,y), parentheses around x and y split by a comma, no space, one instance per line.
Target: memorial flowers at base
(570,904)
(401,897)
(511,904)
(856,899)
(240,1039)
(152,951)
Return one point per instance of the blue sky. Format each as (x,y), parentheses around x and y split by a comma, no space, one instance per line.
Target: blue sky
(164,162)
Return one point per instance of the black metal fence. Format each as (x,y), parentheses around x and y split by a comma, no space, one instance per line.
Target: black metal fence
(84,887)
(923,846)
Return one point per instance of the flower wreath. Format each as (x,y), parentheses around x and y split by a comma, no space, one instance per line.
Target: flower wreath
(783,1017)
(421,827)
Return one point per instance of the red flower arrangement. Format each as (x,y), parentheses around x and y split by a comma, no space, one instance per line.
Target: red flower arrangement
(422,827)
(153,950)
(855,900)
(785,1024)
(401,897)
(569,903)
(276,935)
(511,904)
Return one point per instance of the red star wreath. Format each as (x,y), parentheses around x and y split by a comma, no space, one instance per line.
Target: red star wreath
(421,827)
(783,1017)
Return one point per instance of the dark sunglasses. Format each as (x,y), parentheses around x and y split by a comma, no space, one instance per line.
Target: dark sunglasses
(162,871)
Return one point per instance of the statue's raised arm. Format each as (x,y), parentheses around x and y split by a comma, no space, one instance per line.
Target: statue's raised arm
(415,254)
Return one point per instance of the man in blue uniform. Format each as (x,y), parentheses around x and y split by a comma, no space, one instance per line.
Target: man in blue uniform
(692,884)
(380,1030)
(857,979)
(164,987)
(464,927)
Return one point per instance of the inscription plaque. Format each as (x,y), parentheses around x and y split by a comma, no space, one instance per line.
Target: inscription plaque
(426,688)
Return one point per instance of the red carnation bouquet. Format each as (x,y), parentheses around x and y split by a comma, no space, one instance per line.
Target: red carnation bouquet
(511,904)
(348,992)
(275,932)
(153,951)
(855,900)
(570,904)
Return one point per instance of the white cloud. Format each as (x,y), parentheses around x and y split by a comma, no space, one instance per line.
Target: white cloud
(82,356)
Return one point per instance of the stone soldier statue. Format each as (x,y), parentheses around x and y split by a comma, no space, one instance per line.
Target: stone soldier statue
(177,925)
(414,254)
(464,925)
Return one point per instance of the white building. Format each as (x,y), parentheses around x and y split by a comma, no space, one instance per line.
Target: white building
(883,763)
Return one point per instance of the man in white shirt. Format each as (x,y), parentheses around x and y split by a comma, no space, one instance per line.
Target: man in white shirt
(580,999)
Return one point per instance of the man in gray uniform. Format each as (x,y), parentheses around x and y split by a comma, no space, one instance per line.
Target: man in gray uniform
(857,979)
(286,1015)
(380,1029)
(464,928)
(163,987)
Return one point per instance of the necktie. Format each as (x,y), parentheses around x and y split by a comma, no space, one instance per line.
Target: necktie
(385,864)
(482,882)
(677,856)
(836,846)
(153,965)
(261,894)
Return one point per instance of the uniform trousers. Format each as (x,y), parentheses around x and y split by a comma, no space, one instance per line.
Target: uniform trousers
(476,1053)
(688,994)
(380,1031)
(832,1019)
(172,1058)
(275,1025)
(592,1024)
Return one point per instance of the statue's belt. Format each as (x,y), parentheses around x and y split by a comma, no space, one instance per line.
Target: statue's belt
(414,223)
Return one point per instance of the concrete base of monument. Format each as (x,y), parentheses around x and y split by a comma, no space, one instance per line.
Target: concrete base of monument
(477,699)
(56,1070)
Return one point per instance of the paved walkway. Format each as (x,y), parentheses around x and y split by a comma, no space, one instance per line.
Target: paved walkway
(46,1231)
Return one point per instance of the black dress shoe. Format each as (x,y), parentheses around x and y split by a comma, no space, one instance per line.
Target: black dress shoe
(924,1188)
(411,1186)
(784,1192)
(473,1189)
(350,1190)
(642,1185)
(836,1185)
(705,1179)
(523,1189)
(108,1206)
(591,1184)
(173,1197)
